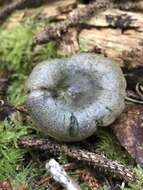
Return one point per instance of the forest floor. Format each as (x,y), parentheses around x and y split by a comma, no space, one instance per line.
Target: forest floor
(24,169)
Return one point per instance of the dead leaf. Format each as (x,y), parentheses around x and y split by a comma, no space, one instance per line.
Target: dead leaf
(129,131)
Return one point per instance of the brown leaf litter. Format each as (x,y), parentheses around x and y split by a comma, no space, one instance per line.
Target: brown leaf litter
(129,131)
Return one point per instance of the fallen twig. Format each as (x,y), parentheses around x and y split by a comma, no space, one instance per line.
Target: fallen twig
(53,32)
(59,175)
(101,162)
(91,159)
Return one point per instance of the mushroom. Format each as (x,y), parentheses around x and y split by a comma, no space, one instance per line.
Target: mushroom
(68,98)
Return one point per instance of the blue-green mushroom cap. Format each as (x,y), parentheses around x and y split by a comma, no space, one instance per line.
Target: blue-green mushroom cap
(68,98)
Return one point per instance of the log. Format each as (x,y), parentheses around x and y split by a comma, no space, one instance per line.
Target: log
(115,33)
(118,34)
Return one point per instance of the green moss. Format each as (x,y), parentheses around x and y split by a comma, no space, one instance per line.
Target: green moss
(10,154)
(15,48)
(12,165)
(18,56)
(109,145)
(16,94)
(26,177)
(138,185)
(46,51)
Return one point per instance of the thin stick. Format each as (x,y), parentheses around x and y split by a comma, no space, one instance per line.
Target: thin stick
(53,32)
(101,162)
(91,159)
(59,175)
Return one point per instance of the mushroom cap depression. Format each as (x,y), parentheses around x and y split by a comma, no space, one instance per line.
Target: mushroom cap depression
(68,98)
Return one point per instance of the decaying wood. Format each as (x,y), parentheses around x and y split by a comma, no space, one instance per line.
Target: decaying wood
(10,8)
(4,2)
(51,10)
(54,32)
(116,34)
(6,11)
(130,5)
(55,7)
(91,159)
(69,43)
